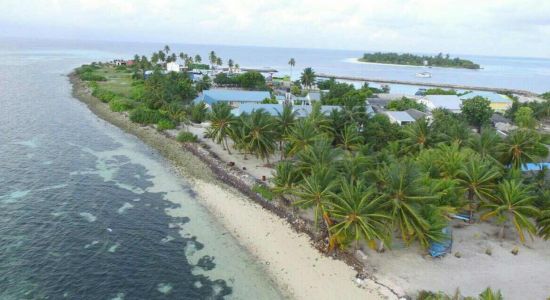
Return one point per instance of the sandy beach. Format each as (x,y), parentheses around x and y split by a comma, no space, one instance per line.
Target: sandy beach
(300,270)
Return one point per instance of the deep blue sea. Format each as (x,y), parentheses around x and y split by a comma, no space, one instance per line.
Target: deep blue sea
(90,212)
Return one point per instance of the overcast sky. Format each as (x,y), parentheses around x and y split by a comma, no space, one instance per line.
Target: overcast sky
(489,27)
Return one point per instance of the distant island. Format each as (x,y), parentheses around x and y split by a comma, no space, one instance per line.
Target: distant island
(439,60)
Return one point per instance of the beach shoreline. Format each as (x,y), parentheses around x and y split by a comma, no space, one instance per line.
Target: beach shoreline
(288,253)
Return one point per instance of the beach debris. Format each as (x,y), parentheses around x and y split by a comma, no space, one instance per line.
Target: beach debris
(488,251)
(361,255)
(109,229)
(515,251)
(458,254)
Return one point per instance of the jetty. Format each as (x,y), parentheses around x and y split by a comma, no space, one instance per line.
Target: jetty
(431,84)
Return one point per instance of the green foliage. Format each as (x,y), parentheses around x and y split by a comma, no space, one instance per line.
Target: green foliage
(121,104)
(308,77)
(252,81)
(524,117)
(197,66)
(264,191)
(270,101)
(198,112)
(439,91)
(144,115)
(404,104)
(160,89)
(164,124)
(90,76)
(477,111)
(418,60)
(103,95)
(186,137)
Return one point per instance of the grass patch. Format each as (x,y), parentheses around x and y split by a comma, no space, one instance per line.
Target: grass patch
(145,115)
(121,104)
(264,191)
(187,137)
(164,124)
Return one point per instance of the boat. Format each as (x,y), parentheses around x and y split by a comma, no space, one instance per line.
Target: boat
(424,75)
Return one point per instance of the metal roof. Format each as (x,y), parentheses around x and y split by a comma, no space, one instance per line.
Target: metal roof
(451,102)
(223,95)
(491,96)
(400,116)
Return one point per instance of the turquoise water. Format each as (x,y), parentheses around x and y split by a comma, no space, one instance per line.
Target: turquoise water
(89,212)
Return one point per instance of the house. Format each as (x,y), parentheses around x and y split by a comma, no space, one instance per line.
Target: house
(416,114)
(234,97)
(173,67)
(499,103)
(130,62)
(449,102)
(399,117)
(301,111)
(311,96)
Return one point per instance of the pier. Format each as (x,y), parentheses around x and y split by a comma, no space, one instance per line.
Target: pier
(430,84)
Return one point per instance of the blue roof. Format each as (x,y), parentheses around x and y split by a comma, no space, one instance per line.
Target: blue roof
(274,109)
(535,166)
(222,95)
(493,97)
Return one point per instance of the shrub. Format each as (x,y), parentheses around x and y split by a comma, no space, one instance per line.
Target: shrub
(89,76)
(121,69)
(86,69)
(145,115)
(164,124)
(121,104)
(137,91)
(186,137)
(264,191)
(103,95)
(198,112)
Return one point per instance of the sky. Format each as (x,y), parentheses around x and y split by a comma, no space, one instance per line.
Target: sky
(479,27)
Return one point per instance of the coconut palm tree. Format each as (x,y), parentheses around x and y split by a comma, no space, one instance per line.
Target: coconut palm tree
(400,184)
(292,63)
(301,136)
(198,59)
(155,58)
(188,61)
(487,144)
(237,67)
(219,61)
(285,178)
(321,153)
(543,224)
(262,136)
(477,178)
(162,56)
(212,58)
(512,201)
(354,166)
(418,136)
(166,49)
(230,64)
(489,294)
(284,121)
(522,146)
(183,56)
(349,138)
(315,191)
(358,213)
(222,119)
(308,77)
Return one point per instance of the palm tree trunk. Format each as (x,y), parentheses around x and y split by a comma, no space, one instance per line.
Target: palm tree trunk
(226,145)
(381,247)
(501,232)
(471,200)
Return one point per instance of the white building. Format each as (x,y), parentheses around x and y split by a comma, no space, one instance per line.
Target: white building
(172,67)
(399,117)
(449,102)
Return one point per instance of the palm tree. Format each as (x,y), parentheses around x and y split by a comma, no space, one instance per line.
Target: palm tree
(284,121)
(315,191)
(262,136)
(477,178)
(219,61)
(162,56)
(350,139)
(522,146)
(418,135)
(354,166)
(222,119)
(489,294)
(230,65)
(198,59)
(400,183)
(487,144)
(512,201)
(213,58)
(237,67)
(285,178)
(155,58)
(358,213)
(292,63)
(308,77)
(166,49)
(301,136)
(320,154)
(543,224)
(188,61)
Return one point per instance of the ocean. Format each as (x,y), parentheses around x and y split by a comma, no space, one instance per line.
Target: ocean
(90,212)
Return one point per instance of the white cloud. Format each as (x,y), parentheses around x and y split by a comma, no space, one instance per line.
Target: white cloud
(493,27)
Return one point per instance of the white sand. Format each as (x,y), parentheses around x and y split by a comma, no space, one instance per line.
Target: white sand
(298,268)
(524,276)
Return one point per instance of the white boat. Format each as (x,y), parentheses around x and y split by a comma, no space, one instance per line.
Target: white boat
(424,75)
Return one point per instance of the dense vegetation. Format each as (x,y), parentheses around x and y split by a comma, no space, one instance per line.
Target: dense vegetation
(530,114)
(249,80)
(418,60)
(404,104)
